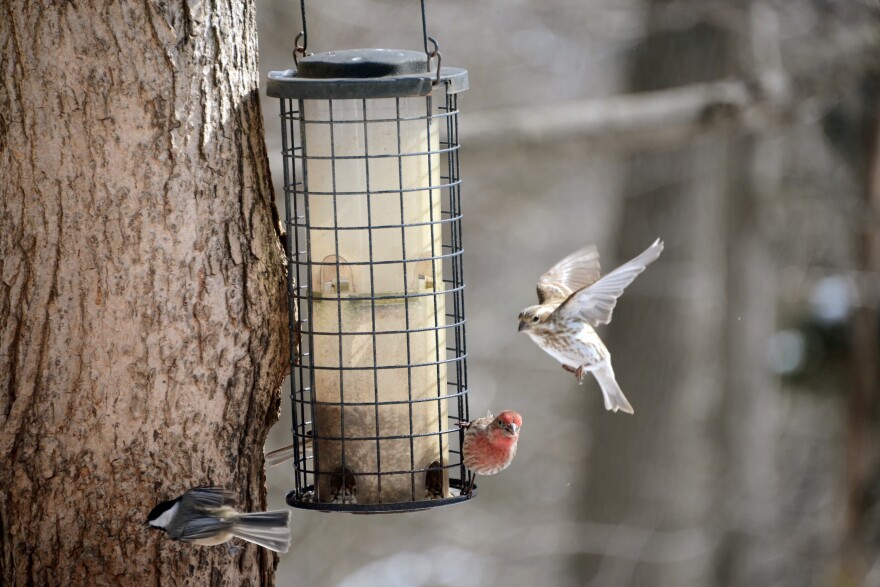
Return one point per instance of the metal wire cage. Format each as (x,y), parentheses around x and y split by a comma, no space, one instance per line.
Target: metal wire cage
(373,214)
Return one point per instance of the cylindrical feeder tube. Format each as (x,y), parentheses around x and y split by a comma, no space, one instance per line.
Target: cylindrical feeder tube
(366,168)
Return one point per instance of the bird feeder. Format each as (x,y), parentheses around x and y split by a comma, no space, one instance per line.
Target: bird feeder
(373,215)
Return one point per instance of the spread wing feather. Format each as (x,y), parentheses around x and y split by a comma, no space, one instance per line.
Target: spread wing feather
(574,272)
(210,497)
(594,304)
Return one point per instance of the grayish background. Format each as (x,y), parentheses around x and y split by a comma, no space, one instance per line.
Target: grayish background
(726,474)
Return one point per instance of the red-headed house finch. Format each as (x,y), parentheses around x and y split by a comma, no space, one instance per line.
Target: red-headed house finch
(490,443)
(207,516)
(572,301)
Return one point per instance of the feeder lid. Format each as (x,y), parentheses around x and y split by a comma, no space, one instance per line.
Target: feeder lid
(363,73)
(362,63)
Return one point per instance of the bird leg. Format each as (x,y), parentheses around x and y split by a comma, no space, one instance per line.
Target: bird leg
(579,373)
(470,490)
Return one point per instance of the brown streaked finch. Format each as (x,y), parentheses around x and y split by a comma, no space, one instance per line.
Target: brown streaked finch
(573,300)
(490,443)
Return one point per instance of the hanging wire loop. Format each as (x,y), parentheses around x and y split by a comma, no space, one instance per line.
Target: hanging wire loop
(299,50)
(305,30)
(425,36)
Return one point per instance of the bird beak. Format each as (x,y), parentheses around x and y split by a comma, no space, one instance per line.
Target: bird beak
(512,428)
(523,326)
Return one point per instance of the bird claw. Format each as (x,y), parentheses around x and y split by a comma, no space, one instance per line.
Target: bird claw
(580,373)
(233,550)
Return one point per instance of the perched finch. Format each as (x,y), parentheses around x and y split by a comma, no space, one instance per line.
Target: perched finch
(572,301)
(206,515)
(490,443)
(285,453)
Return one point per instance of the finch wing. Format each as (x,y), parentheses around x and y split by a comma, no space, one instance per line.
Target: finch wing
(478,423)
(575,272)
(595,303)
(209,498)
(204,527)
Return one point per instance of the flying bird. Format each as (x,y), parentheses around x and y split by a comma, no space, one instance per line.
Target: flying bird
(490,443)
(207,516)
(572,301)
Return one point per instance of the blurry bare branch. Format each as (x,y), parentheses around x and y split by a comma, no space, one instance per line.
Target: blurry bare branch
(620,541)
(666,118)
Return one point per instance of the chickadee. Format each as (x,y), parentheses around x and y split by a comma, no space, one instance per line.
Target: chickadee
(205,515)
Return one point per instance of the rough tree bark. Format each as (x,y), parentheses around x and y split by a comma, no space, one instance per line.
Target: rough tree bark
(142,298)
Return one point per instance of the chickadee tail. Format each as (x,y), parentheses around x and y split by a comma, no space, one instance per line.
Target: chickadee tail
(279,455)
(614,398)
(268,529)
(285,453)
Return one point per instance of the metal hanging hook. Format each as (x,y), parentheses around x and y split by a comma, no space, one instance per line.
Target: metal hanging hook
(431,55)
(299,50)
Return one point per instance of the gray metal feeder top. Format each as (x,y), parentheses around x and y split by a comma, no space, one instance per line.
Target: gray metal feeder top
(363,73)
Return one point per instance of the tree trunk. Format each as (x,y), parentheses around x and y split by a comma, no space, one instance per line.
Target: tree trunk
(747,491)
(863,400)
(143,320)
(650,473)
(690,354)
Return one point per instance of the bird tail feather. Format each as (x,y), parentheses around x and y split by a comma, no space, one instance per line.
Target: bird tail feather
(286,453)
(279,455)
(268,529)
(614,398)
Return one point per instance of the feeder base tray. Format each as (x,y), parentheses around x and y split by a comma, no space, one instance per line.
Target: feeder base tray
(345,502)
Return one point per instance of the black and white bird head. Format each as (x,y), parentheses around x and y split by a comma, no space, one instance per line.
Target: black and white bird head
(161,515)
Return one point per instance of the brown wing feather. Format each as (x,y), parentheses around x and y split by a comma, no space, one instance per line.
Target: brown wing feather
(595,304)
(575,272)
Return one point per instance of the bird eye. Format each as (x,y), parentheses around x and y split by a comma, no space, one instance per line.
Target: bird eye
(535,319)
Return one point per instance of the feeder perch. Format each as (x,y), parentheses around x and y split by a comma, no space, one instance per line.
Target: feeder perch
(373,213)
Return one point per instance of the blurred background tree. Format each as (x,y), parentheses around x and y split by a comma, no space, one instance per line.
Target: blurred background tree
(745,134)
